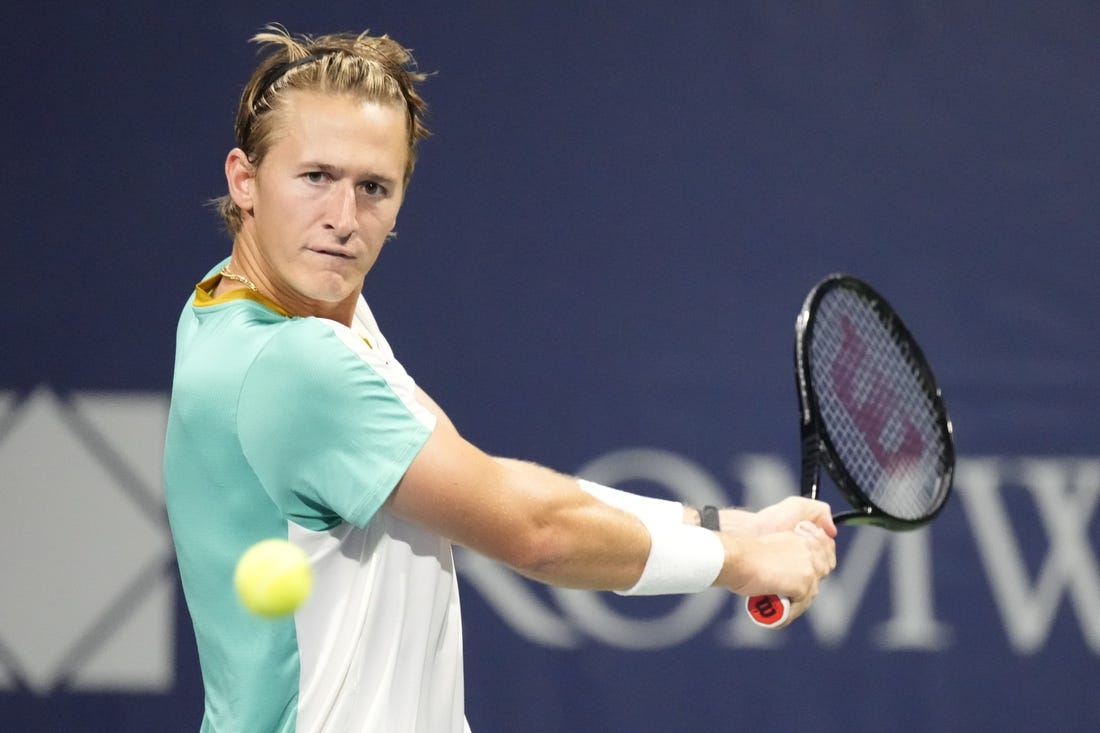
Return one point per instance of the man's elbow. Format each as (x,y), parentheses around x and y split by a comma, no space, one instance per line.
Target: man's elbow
(538,551)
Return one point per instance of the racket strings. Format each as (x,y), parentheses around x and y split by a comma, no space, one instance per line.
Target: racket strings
(876,408)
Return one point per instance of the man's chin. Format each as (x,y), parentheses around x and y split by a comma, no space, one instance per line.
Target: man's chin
(332,290)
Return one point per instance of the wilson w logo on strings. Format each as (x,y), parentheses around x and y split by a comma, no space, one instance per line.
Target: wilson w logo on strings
(867,393)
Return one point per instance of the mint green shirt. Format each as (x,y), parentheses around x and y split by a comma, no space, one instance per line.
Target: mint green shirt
(300,428)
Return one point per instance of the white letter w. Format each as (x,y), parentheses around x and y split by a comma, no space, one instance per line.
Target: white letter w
(1065,492)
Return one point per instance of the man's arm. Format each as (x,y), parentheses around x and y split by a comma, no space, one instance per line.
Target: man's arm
(524,515)
(546,527)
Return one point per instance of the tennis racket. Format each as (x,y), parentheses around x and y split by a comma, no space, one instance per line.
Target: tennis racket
(871,413)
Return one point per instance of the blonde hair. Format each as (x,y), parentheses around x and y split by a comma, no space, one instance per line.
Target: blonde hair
(373,68)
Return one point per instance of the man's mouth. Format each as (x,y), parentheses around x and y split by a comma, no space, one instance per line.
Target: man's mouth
(331,252)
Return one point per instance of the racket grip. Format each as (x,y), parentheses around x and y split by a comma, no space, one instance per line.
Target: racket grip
(768,611)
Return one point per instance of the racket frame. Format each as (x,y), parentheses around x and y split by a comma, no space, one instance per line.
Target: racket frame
(817,446)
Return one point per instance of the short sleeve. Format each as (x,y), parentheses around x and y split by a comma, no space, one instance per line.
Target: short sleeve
(328,427)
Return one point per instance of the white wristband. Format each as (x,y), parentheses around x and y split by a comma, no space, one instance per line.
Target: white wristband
(647,509)
(682,559)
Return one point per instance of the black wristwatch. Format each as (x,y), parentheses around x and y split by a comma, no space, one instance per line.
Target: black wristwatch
(708,518)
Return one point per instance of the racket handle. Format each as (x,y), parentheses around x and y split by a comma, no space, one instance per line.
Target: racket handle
(768,611)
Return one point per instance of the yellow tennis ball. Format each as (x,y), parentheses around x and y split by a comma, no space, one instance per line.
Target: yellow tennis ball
(273,578)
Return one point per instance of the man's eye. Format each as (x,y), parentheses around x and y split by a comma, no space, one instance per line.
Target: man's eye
(372,188)
(315,176)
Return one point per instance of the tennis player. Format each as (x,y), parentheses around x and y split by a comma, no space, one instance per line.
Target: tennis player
(291,417)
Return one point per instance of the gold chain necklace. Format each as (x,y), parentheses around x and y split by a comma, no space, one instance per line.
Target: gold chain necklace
(239,278)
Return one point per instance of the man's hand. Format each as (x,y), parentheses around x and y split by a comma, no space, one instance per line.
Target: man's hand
(788,563)
(783,516)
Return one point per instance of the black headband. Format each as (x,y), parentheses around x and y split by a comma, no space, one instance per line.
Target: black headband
(278,71)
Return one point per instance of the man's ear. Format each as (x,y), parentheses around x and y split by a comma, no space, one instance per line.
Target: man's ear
(239,176)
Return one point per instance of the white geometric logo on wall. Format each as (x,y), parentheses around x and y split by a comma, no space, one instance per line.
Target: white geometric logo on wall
(89,583)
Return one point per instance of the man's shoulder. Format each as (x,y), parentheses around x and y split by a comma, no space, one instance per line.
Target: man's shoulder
(310,348)
(308,339)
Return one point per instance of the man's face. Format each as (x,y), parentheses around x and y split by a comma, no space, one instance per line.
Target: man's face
(327,193)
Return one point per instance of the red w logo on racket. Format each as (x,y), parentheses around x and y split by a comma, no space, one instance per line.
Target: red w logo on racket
(875,408)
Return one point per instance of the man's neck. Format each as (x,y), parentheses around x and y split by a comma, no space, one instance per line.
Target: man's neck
(249,273)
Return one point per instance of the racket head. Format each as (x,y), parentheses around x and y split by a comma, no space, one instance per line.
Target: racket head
(871,410)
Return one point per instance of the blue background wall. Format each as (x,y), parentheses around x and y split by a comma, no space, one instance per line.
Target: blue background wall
(603,250)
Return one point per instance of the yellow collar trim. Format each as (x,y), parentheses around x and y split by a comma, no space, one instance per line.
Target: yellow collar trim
(204,296)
